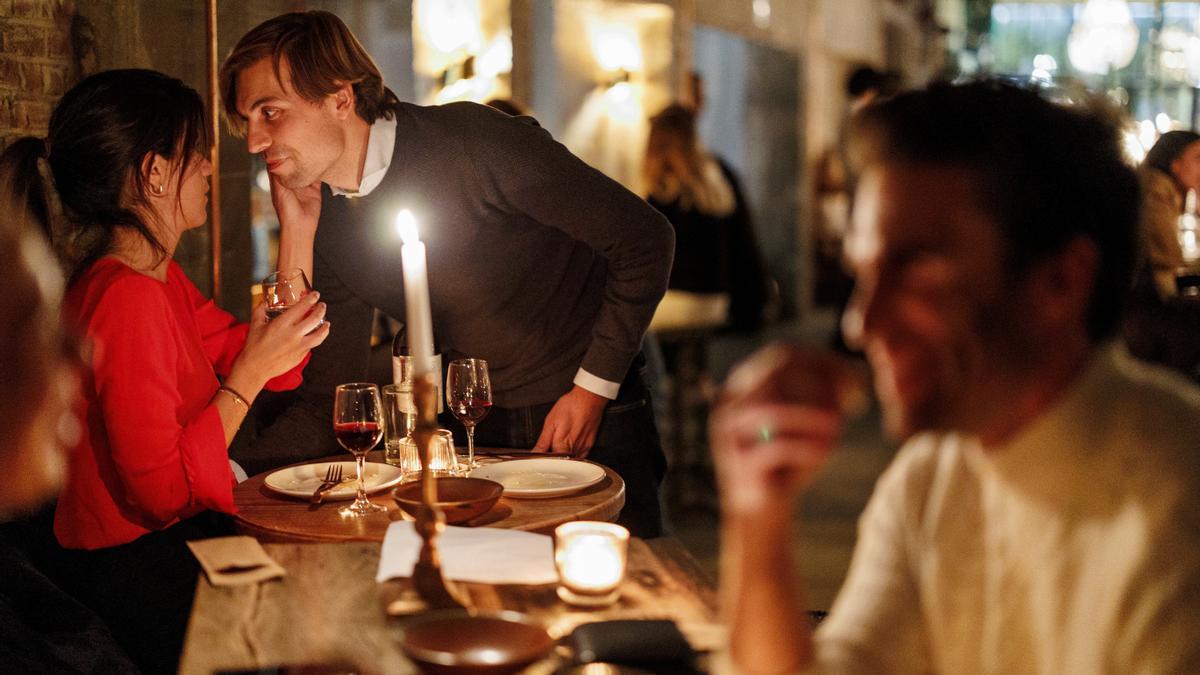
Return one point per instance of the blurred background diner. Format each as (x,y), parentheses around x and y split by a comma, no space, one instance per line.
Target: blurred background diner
(727,115)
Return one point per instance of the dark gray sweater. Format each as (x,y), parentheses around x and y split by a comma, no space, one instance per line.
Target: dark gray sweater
(538,263)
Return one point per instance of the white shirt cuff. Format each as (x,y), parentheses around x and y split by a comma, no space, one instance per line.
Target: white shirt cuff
(597,385)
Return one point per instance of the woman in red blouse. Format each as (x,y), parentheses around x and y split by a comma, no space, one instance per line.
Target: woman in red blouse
(118,180)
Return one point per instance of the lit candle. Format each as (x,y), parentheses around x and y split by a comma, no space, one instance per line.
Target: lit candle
(590,557)
(442,460)
(418,316)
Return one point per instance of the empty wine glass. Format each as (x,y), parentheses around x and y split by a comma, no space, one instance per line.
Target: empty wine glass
(283,289)
(469,395)
(358,425)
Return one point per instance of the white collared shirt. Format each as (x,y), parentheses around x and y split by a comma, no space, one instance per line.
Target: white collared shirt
(380,145)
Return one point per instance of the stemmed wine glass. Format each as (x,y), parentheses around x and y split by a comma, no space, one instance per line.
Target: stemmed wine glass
(283,289)
(469,395)
(358,425)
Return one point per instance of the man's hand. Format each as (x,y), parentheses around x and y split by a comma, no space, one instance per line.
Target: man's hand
(775,424)
(572,423)
(298,209)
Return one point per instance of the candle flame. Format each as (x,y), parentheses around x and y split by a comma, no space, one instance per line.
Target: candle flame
(406,225)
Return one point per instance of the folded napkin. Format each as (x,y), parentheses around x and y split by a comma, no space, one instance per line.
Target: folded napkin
(232,561)
(477,554)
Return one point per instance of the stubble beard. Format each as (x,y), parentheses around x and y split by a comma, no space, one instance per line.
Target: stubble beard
(300,178)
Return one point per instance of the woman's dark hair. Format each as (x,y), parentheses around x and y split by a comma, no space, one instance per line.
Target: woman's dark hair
(1168,148)
(101,132)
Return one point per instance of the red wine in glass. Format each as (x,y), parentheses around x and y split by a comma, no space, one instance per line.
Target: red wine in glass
(357,425)
(470,411)
(357,436)
(469,394)
(274,312)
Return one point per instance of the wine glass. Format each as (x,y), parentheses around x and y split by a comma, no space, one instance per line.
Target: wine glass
(469,395)
(358,425)
(283,289)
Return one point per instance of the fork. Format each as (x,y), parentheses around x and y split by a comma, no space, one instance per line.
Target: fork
(333,476)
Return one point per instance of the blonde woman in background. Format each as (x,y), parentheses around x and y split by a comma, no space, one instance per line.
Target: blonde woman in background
(717,278)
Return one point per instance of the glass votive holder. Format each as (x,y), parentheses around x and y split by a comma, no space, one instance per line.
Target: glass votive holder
(590,557)
(442,459)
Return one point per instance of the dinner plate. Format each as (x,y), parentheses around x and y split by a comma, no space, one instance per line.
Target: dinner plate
(541,477)
(301,481)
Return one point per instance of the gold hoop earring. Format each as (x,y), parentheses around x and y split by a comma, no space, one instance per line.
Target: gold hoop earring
(159,189)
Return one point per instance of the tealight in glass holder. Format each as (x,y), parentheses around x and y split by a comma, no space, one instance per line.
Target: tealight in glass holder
(442,459)
(590,557)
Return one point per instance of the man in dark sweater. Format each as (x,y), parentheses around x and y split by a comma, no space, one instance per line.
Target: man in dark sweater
(538,263)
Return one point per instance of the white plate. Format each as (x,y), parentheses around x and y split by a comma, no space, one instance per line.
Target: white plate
(300,481)
(541,477)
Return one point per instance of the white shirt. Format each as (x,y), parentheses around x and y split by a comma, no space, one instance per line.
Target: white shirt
(1074,549)
(380,145)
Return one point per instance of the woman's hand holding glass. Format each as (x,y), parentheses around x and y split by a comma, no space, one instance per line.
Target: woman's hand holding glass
(274,347)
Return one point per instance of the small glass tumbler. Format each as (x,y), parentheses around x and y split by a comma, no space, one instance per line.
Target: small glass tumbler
(442,459)
(590,557)
(400,419)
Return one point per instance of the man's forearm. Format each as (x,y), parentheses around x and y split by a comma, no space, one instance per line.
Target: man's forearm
(296,250)
(769,632)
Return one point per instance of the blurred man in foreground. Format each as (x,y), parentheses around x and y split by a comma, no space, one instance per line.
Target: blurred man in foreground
(1044,512)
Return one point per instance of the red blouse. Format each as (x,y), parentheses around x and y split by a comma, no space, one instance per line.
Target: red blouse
(153,450)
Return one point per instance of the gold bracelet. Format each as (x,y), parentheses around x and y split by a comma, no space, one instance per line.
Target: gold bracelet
(236,397)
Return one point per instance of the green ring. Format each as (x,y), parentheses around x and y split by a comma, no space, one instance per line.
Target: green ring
(765,433)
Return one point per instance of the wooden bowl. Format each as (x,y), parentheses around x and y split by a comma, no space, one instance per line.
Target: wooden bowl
(455,642)
(461,499)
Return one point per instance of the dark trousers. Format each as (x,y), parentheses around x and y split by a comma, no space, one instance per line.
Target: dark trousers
(143,590)
(627,442)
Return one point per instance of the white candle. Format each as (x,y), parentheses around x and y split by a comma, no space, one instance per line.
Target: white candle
(417,314)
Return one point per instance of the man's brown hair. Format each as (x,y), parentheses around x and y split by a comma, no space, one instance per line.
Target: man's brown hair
(322,55)
(1046,172)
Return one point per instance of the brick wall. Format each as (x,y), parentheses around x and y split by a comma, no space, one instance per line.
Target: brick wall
(37,64)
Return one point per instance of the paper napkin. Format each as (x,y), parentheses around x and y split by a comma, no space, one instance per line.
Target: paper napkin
(232,561)
(477,554)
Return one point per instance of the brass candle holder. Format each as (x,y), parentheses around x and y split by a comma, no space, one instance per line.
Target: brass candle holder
(431,586)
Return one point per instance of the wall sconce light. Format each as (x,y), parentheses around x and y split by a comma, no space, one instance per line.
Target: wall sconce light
(462,49)
(462,70)
(619,77)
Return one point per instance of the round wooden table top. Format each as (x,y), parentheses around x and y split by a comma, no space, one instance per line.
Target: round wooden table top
(270,516)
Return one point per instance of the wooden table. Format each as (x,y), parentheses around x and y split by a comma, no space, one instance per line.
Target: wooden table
(329,610)
(273,517)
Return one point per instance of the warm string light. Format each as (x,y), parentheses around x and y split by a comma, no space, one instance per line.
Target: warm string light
(1104,39)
